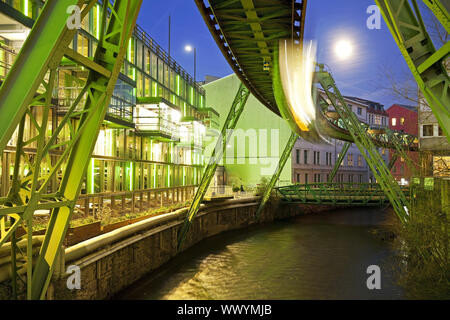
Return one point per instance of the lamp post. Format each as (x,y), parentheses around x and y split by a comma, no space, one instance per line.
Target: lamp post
(190,48)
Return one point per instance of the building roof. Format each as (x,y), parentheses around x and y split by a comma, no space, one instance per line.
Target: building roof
(412,108)
(372,106)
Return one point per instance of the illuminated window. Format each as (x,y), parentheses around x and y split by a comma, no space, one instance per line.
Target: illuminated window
(394,122)
(402,121)
(360,162)
(350,160)
(378,120)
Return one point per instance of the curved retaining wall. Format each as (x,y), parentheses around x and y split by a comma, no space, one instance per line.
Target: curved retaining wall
(111,262)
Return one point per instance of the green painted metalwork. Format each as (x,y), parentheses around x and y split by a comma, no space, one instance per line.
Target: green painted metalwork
(336,194)
(395,139)
(40,52)
(284,158)
(230,124)
(246,32)
(425,62)
(29,193)
(338,163)
(233,23)
(365,145)
(392,161)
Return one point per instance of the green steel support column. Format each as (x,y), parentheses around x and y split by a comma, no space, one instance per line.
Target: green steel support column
(40,50)
(338,163)
(400,151)
(284,158)
(109,56)
(230,124)
(365,145)
(440,12)
(425,62)
(393,160)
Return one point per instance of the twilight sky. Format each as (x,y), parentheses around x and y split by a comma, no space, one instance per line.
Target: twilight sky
(327,21)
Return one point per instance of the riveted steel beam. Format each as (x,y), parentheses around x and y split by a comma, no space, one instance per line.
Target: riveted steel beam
(282,162)
(425,62)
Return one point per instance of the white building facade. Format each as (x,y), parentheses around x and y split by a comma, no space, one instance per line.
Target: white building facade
(313,163)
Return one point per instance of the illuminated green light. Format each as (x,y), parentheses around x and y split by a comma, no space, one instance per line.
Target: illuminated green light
(184,176)
(154,176)
(98,21)
(178,85)
(168,176)
(131,176)
(91,176)
(25,8)
(151,150)
(129,50)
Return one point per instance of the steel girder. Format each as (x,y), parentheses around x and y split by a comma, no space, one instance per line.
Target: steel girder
(284,158)
(338,163)
(29,191)
(336,194)
(425,62)
(235,113)
(246,31)
(365,145)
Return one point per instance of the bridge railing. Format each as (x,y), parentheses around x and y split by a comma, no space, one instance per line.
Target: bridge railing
(335,193)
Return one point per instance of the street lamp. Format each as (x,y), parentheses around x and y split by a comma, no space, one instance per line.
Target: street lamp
(189,48)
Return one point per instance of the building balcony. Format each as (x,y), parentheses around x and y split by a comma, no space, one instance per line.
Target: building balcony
(158,118)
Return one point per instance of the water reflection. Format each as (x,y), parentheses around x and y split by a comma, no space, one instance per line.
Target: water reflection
(321,256)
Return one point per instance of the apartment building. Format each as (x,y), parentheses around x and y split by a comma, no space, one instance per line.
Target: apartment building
(153,134)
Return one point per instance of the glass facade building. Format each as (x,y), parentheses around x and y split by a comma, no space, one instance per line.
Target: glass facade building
(153,134)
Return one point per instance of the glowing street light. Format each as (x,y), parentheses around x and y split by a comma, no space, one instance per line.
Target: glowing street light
(189,48)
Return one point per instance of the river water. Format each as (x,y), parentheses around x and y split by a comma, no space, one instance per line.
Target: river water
(322,256)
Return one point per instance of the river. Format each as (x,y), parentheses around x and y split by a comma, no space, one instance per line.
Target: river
(321,256)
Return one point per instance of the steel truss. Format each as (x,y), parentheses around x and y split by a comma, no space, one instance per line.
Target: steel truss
(336,194)
(338,163)
(284,158)
(230,124)
(35,69)
(426,63)
(365,145)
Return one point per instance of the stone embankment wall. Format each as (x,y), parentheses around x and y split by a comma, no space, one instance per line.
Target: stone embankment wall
(113,261)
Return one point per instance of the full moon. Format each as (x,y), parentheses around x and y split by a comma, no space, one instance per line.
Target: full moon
(343,49)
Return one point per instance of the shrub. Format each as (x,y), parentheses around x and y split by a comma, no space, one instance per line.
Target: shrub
(422,264)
